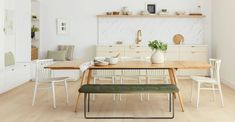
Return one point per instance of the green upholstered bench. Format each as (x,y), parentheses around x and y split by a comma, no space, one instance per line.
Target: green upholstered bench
(128,88)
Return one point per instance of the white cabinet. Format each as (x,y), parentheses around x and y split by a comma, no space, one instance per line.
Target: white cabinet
(14,76)
(23,30)
(110,50)
(174,53)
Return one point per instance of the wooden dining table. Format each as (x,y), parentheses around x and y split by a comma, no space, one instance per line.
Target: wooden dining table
(171,66)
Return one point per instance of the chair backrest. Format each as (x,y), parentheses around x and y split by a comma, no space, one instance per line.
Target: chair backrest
(156,72)
(41,72)
(132,72)
(215,69)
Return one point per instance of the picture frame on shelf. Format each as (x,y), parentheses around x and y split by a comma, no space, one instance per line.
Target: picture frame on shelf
(151,8)
(62,26)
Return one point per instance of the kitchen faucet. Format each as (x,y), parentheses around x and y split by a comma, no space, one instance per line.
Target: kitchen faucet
(139,37)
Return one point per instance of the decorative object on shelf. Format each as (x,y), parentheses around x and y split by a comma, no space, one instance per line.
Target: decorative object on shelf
(116,13)
(197,11)
(151,8)
(33,31)
(34,16)
(125,10)
(159,48)
(180,13)
(62,26)
(108,13)
(119,42)
(178,39)
(144,13)
(163,12)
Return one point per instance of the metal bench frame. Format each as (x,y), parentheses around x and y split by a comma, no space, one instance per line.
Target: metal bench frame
(87,109)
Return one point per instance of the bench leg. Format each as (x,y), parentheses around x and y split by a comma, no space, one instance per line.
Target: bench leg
(88,103)
(171,109)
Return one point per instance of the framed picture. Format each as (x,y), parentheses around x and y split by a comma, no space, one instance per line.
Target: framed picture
(151,8)
(9,27)
(62,26)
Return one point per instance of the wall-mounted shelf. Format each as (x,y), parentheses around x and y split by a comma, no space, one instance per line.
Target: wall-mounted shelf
(154,16)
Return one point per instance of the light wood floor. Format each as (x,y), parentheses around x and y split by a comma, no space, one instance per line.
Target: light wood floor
(15,106)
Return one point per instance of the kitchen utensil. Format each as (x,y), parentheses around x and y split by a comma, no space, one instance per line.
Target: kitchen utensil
(178,39)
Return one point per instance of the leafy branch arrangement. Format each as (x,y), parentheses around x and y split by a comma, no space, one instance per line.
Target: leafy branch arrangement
(34,29)
(157,45)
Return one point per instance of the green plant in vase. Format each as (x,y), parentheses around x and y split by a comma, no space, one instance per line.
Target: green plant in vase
(159,48)
(33,31)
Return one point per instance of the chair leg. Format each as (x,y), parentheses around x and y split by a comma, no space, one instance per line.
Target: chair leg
(66,91)
(141,95)
(221,95)
(148,82)
(192,92)
(76,107)
(198,93)
(53,94)
(35,93)
(120,97)
(213,89)
(93,95)
(113,82)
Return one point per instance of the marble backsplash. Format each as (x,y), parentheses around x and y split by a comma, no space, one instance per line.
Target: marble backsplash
(113,29)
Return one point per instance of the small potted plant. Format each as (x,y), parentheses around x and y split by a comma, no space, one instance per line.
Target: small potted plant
(33,31)
(159,48)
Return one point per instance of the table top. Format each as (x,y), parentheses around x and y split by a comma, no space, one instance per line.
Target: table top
(74,65)
(65,65)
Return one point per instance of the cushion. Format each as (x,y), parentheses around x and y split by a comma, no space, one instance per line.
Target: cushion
(70,50)
(128,88)
(57,55)
(9,59)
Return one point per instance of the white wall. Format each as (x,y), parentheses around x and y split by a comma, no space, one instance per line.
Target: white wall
(223,37)
(1,34)
(83,21)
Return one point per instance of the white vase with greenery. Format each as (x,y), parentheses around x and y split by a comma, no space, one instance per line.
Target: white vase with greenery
(159,48)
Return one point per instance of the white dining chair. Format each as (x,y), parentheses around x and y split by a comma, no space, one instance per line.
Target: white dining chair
(213,80)
(44,76)
(105,74)
(131,74)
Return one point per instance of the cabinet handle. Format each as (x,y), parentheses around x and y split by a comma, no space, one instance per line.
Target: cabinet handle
(110,51)
(12,69)
(137,51)
(110,46)
(193,46)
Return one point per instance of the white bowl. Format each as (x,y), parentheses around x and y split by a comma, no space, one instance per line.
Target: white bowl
(112,60)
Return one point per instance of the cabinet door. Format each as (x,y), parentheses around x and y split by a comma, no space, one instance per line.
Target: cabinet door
(10,78)
(23,33)
(109,50)
(22,73)
(194,56)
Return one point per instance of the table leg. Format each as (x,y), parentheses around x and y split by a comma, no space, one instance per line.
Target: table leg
(173,77)
(172,80)
(81,82)
(89,76)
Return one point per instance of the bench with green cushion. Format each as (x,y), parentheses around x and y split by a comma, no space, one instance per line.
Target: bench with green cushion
(129,88)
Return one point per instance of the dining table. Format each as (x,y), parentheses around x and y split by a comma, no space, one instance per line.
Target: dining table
(171,66)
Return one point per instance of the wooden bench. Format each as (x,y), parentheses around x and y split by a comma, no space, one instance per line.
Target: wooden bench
(128,88)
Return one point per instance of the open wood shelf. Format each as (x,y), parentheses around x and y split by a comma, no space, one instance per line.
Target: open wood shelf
(154,16)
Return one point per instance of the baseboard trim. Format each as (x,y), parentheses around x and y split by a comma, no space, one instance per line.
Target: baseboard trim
(228,83)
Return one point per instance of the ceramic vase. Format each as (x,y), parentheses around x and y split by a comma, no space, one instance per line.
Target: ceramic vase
(157,57)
